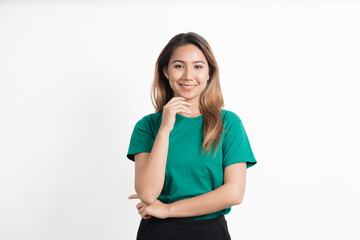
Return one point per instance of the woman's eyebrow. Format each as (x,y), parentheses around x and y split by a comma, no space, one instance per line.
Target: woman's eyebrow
(184,61)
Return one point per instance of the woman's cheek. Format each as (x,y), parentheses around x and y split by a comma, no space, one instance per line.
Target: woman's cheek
(203,76)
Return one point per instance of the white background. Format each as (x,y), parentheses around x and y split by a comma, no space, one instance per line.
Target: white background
(75,77)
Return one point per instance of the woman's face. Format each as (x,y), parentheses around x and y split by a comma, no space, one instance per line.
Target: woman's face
(187,67)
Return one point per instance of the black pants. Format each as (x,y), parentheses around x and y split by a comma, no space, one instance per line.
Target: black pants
(183,229)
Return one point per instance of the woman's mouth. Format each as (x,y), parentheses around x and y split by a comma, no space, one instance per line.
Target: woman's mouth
(187,88)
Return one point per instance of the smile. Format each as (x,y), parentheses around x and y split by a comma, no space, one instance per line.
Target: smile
(187,88)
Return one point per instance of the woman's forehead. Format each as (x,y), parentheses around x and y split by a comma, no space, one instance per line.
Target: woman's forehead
(188,52)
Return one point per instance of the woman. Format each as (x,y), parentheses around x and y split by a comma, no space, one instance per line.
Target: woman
(190,155)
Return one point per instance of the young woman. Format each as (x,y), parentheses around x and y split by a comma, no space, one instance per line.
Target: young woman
(190,155)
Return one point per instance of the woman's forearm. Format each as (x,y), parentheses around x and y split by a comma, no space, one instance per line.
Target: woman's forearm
(216,200)
(150,181)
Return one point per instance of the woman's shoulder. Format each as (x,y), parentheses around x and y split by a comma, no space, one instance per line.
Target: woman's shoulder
(153,116)
(231,121)
(150,118)
(229,116)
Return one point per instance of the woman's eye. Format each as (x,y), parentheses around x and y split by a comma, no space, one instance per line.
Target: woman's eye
(178,66)
(198,66)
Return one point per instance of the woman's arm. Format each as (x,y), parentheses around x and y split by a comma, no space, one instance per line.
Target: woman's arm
(150,169)
(229,194)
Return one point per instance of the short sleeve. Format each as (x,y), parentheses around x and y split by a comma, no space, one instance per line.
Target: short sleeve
(236,145)
(142,138)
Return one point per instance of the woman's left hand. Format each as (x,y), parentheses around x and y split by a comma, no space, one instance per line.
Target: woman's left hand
(157,209)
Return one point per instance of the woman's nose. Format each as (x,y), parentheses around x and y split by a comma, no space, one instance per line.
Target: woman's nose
(188,73)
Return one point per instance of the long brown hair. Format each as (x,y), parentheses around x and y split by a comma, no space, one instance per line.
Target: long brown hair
(211,99)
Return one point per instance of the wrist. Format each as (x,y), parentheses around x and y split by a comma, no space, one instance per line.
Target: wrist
(163,130)
(169,210)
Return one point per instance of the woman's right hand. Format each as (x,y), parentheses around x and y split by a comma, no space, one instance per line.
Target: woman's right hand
(175,105)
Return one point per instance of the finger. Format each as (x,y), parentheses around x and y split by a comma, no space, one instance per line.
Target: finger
(146,216)
(187,110)
(139,205)
(181,109)
(143,214)
(178,98)
(178,102)
(141,209)
(175,100)
(133,196)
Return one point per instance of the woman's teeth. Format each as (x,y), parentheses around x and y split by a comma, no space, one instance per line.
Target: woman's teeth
(187,86)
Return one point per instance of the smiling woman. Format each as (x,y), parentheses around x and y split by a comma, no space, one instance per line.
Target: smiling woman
(191,155)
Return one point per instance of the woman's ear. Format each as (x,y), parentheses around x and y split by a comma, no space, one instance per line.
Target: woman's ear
(165,72)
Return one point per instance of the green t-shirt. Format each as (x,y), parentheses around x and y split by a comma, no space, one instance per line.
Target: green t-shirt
(189,173)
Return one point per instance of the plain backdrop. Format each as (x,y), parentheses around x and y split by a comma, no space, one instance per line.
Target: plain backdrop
(75,77)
